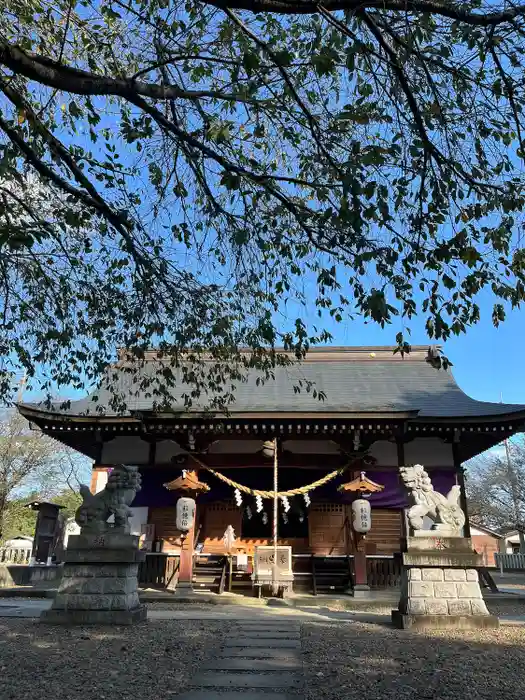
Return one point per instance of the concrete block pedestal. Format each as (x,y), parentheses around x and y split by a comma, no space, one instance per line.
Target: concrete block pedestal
(440,586)
(99,582)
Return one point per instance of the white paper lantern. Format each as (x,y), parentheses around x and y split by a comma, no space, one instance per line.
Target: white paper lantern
(361,516)
(185,514)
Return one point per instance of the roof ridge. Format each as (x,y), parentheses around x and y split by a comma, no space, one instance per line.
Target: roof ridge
(417,352)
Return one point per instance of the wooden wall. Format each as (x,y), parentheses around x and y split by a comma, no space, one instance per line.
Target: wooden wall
(487,546)
(328,525)
(164,521)
(387,530)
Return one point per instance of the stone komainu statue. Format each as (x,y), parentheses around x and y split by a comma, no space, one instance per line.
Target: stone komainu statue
(445,511)
(122,485)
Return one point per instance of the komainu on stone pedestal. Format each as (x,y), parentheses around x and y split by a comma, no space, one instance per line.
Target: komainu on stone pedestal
(122,485)
(440,582)
(99,581)
(445,511)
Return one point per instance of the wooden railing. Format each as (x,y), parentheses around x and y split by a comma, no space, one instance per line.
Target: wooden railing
(311,572)
(12,555)
(510,562)
(383,572)
(159,571)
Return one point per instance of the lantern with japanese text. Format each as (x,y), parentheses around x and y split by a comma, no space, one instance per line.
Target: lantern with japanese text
(361,516)
(185,514)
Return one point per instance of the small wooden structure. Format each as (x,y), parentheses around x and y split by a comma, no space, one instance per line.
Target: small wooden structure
(361,484)
(46,531)
(188,483)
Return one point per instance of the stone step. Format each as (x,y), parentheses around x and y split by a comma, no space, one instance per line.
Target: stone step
(256,653)
(234,695)
(263,643)
(268,625)
(266,634)
(266,679)
(275,664)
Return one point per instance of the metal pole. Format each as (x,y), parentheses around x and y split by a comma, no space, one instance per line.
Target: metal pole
(21,387)
(515,497)
(275,517)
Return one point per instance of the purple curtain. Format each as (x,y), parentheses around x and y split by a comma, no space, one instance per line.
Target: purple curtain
(394,495)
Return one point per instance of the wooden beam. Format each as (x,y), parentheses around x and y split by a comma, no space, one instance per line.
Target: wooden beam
(401,463)
(460,472)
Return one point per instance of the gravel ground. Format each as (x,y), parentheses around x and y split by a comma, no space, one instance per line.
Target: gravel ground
(145,662)
(506,607)
(356,661)
(348,661)
(496,607)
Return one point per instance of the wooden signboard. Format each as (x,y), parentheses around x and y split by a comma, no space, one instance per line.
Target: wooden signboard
(264,560)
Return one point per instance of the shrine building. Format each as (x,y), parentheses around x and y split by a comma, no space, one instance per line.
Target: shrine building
(380,411)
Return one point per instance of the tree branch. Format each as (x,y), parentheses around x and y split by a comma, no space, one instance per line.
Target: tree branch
(79,82)
(311,7)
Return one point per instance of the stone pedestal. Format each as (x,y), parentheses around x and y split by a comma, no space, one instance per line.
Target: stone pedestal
(99,582)
(440,586)
(361,588)
(269,574)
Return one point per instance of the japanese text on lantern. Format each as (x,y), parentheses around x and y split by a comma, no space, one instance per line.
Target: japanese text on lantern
(361,515)
(185,514)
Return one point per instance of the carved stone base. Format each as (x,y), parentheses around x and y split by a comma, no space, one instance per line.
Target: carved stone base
(429,622)
(361,590)
(440,588)
(99,582)
(284,584)
(94,617)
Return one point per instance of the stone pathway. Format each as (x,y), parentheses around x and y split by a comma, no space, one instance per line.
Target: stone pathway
(260,660)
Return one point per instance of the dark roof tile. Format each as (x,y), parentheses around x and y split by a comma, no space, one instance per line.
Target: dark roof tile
(354,380)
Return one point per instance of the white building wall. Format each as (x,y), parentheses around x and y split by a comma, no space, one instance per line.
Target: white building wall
(430,452)
(385,452)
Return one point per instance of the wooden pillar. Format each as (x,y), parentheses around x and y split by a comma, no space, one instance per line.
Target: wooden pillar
(186,559)
(99,478)
(460,472)
(361,576)
(401,463)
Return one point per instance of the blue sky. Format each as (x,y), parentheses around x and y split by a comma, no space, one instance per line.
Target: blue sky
(487,361)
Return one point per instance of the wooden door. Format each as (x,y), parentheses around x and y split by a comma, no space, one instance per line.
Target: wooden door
(215,519)
(327,528)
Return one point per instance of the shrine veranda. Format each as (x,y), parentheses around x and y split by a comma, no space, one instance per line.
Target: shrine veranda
(381,411)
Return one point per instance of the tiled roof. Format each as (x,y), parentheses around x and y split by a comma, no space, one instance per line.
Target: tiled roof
(353,380)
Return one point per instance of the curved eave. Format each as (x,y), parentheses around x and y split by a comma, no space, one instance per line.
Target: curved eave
(36,414)
(517,416)
(139,417)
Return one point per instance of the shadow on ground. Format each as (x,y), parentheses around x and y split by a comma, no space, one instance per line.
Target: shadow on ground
(363,661)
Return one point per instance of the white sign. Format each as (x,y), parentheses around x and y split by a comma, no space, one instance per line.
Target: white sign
(361,515)
(185,514)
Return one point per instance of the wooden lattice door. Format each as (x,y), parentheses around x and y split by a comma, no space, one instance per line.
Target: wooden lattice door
(215,519)
(327,528)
